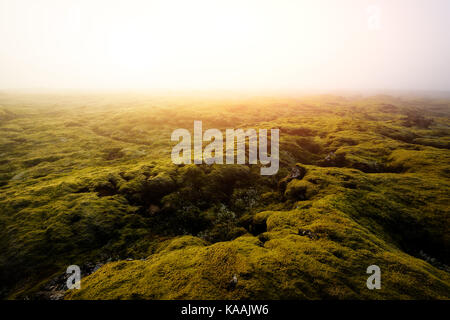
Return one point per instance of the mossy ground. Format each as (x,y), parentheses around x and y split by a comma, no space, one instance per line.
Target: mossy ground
(89,179)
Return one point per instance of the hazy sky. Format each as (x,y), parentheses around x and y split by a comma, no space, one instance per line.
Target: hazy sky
(213,44)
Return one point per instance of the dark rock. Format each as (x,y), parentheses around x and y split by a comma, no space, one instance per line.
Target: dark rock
(232,284)
(56,288)
(433,261)
(333,160)
(298,172)
(308,233)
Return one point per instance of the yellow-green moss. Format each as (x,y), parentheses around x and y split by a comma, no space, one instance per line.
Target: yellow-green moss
(87,180)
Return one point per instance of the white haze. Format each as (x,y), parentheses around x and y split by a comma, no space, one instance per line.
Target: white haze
(225,45)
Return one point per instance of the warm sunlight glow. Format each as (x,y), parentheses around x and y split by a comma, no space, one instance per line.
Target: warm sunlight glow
(203,44)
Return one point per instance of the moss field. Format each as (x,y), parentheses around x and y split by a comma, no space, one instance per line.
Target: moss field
(88,179)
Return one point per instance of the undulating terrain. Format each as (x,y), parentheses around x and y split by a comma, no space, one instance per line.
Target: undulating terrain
(88,180)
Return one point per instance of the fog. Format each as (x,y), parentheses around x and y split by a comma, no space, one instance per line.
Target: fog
(225,45)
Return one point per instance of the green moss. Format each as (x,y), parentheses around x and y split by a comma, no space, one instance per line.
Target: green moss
(300,190)
(91,181)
